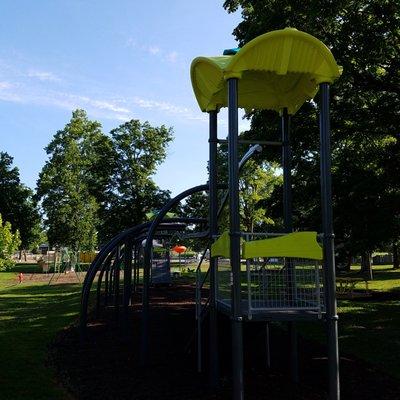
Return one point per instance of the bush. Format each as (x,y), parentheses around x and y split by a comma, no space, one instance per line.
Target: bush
(6,264)
(9,243)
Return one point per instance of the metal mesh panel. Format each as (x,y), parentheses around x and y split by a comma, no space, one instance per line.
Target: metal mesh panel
(224,291)
(284,284)
(274,284)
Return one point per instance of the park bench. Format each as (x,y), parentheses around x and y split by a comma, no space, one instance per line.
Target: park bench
(346,285)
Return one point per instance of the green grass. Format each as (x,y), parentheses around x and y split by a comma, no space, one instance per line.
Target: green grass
(385,278)
(30,315)
(369,329)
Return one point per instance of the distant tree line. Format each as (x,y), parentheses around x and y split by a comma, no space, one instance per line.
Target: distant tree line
(20,220)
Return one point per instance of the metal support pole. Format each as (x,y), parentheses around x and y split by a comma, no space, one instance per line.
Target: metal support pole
(288,224)
(116,281)
(127,293)
(237,329)
(107,285)
(213,224)
(267,346)
(328,241)
(111,280)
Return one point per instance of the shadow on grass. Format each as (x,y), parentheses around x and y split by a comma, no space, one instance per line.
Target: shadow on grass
(30,316)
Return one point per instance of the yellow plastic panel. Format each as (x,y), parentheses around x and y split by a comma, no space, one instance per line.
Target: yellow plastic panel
(296,245)
(222,246)
(280,69)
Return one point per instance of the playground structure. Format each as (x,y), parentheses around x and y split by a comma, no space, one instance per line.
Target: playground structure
(287,276)
(61,261)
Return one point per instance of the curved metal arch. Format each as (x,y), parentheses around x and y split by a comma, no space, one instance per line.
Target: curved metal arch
(147,261)
(101,257)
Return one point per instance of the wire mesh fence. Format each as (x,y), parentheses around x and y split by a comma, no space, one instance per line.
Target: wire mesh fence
(275,284)
(284,284)
(224,281)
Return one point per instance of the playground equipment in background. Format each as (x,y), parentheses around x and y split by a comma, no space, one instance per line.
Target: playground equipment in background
(87,257)
(160,265)
(63,261)
(180,250)
(288,276)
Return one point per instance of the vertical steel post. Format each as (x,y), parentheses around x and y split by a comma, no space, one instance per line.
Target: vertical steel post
(127,293)
(288,225)
(213,226)
(234,219)
(116,281)
(106,285)
(144,345)
(134,269)
(328,242)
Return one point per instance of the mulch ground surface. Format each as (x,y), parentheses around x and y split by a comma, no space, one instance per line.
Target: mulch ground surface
(107,366)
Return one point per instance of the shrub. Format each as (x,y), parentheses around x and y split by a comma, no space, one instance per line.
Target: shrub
(9,243)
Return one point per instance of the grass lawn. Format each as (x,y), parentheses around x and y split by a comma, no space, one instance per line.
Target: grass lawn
(370,328)
(32,312)
(30,315)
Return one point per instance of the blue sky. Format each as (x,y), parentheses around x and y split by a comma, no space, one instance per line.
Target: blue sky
(117,60)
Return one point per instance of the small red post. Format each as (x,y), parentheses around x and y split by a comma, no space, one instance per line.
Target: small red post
(20,277)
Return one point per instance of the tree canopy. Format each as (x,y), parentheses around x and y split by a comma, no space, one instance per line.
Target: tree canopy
(138,148)
(94,185)
(67,199)
(16,203)
(364,38)
(9,243)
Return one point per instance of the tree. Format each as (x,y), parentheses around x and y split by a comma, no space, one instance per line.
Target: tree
(196,206)
(16,203)
(67,186)
(258,181)
(364,37)
(138,148)
(9,243)
(256,184)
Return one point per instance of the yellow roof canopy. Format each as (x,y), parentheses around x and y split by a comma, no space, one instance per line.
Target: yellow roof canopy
(280,69)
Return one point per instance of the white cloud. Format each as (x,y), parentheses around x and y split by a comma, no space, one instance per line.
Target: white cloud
(172,57)
(43,75)
(171,109)
(109,107)
(5,85)
(153,50)
(131,42)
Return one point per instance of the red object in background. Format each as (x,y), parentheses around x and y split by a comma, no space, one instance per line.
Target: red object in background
(179,249)
(20,277)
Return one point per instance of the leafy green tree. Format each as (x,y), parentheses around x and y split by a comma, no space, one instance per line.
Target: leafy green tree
(258,181)
(9,242)
(16,203)
(67,186)
(196,206)
(364,37)
(138,148)
(256,184)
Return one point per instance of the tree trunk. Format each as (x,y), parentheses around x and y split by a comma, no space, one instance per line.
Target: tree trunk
(20,255)
(396,259)
(348,263)
(25,255)
(366,265)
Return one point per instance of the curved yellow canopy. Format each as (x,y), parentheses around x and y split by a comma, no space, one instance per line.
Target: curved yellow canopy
(280,69)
